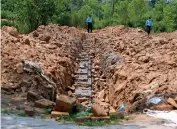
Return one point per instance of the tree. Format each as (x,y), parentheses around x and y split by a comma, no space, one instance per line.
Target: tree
(136,12)
(122,11)
(170,16)
(158,16)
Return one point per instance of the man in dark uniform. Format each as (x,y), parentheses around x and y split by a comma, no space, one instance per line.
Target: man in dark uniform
(89,21)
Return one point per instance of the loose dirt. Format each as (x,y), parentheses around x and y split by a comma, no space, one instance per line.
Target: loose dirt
(128,66)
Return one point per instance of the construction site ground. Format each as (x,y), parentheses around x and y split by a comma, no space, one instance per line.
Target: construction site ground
(113,72)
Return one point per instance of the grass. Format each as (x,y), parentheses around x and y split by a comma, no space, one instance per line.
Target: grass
(93,123)
(100,123)
(72,118)
(45,116)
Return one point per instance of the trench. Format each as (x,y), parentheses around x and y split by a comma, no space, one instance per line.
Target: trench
(83,76)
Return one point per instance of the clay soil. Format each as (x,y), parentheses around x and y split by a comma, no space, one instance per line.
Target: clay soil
(129,62)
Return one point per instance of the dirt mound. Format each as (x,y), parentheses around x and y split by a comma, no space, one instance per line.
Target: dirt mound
(51,47)
(128,66)
(134,63)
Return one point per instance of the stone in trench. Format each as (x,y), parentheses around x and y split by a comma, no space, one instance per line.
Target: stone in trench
(70,93)
(176,98)
(72,88)
(85,103)
(39,111)
(19,68)
(80,107)
(98,110)
(104,104)
(80,100)
(55,114)
(93,118)
(32,96)
(164,107)
(24,89)
(97,68)
(106,99)
(172,102)
(64,103)
(97,62)
(82,118)
(101,94)
(44,103)
(112,110)
(29,111)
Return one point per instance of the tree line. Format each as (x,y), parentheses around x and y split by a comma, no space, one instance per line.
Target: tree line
(27,15)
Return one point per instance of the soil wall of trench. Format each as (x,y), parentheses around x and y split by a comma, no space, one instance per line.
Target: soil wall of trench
(52,49)
(134,66)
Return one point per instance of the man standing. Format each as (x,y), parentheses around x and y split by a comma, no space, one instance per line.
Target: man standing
(149,25)
(89,21)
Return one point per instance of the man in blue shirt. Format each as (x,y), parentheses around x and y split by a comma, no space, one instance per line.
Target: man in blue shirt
(89,21)
(149,25)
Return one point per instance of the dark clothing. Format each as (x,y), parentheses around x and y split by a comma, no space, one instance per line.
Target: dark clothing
(148,29)
(89,26)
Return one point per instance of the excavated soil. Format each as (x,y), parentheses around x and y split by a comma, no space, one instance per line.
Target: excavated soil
(126,63)
(135,64)
(51,47)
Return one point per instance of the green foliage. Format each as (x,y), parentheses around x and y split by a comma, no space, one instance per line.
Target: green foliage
(5,14)
(7,23)
(93,123)
(27,15)
(101,123)
(170,16)
(136,10)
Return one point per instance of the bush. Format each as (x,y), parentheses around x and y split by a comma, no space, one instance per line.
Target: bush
(7,23)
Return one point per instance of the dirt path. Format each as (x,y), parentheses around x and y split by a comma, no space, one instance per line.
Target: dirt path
(16,122)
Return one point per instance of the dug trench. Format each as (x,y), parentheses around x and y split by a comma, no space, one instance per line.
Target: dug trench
(60,71)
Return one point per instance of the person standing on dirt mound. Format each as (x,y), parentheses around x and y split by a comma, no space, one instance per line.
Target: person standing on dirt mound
(149,25)
(89,21)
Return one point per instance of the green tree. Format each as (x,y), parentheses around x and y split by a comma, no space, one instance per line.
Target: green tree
(170,16)
(122,11)
(136,12)
(158,16)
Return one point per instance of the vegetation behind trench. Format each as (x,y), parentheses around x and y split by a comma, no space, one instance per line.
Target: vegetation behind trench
(27,15)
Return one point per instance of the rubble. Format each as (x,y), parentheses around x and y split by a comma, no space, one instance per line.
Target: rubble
(172,102)
(133,63)
(55,114)
(29,111)
(112,66)
(98,110)
(100,118)
(82,118)
(164,107)
(44,103)
(64,103)
(29,48)
(32,96)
